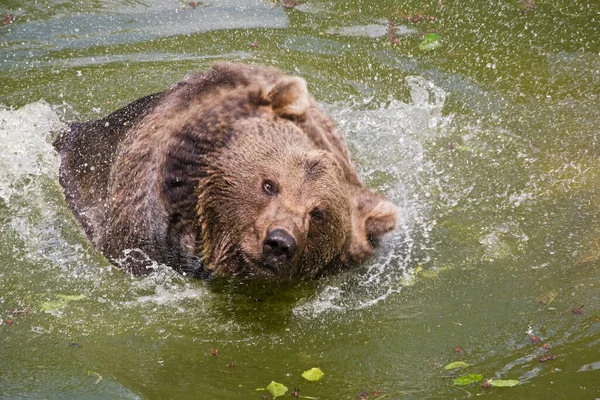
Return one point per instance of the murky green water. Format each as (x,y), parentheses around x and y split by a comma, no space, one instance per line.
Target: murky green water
(488,144)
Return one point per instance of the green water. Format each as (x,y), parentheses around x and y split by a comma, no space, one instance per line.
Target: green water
(488,144)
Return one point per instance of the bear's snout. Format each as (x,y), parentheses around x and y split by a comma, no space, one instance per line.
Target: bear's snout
(279,246)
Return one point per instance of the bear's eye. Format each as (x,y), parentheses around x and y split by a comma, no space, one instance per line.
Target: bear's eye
(269,188)
(317,216)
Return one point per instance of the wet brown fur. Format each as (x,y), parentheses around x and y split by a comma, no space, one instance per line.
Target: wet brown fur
(177,178)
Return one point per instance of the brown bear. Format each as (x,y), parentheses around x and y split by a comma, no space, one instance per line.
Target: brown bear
(233,171)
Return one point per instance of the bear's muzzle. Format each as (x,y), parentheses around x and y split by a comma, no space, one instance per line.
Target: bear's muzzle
(278,247)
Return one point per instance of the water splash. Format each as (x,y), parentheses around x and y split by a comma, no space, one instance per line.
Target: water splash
(26,147)
(387,146)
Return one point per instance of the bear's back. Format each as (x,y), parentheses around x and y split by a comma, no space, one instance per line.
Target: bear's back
(87,152)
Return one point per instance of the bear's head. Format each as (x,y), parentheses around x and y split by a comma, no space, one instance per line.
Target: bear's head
(278,209)
(278,203)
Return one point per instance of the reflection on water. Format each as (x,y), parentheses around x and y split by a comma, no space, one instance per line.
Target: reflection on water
(128,25)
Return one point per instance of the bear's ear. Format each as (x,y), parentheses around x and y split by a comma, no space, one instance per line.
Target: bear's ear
(372,216)
(289,97)
(381,219)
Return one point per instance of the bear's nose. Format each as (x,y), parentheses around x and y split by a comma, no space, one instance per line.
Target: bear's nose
(279,246)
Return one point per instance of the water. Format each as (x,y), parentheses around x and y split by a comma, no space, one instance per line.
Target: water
(488,145)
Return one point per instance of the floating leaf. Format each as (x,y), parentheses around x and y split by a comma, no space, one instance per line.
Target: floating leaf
(52,307)
(409,280)
(456,365)
(69,297)
(504,382)
(431,41)
(276,389)
(467,379)
(445,268)
(425,273)
(429,274)
(547,298)
(97,374)
(313,374)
